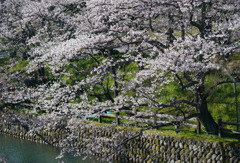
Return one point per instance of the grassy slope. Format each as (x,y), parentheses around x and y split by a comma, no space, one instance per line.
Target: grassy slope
(221,103)
(186,133)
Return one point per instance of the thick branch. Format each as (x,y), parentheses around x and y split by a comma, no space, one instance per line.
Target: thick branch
(220,83)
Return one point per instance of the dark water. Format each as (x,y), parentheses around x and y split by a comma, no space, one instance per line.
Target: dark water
(15,150)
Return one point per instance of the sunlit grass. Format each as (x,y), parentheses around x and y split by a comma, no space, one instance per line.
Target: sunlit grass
(185,132)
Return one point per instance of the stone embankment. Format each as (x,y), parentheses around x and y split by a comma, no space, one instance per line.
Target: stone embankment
(150,147)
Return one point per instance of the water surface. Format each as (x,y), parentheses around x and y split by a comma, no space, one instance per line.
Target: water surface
(15,150)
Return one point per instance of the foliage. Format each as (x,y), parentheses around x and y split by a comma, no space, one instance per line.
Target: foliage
(20,66)
(86,57)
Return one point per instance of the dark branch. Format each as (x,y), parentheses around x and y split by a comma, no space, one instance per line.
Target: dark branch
(220,83)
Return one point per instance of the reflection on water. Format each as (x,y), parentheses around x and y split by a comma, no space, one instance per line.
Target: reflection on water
(21,151)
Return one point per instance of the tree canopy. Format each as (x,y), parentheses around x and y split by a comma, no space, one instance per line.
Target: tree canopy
(112,55)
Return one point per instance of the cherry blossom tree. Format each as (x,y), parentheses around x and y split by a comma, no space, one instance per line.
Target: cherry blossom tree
(113,55)
(26,19)
(178,42)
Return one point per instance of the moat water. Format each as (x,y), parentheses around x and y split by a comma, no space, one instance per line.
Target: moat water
(14,150)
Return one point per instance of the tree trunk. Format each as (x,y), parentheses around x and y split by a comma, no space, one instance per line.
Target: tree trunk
(206,118)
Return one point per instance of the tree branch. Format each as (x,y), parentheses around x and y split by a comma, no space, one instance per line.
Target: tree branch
(220,83)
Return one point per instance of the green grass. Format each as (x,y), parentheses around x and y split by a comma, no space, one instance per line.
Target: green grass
(221,100)
(20,66)
(185,133)
(108,120)
(190,133)
(105,120)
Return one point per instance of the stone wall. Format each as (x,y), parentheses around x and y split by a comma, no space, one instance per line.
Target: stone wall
(150,147)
